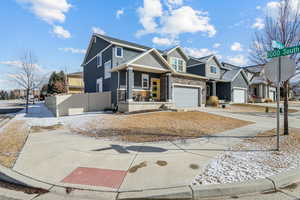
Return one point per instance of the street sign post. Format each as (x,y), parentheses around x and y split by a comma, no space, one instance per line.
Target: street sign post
(275,73)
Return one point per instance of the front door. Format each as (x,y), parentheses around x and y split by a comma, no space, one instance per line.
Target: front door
(155,88)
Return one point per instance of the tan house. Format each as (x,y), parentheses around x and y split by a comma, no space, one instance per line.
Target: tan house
(75,83)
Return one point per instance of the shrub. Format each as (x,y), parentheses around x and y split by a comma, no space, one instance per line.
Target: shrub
(213,101)
(268,100)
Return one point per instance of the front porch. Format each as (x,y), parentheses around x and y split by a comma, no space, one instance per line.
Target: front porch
(143,89)
(262,92)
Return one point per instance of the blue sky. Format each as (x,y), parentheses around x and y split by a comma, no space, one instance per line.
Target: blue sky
(58,31)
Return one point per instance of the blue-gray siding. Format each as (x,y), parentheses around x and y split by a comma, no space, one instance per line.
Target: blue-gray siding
(197,69)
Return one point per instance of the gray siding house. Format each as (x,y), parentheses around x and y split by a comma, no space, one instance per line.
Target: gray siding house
(228,82)
(140,77)
(260,88)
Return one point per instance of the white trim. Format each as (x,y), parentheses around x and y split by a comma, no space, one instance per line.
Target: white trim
(100,60)
(136,89)
(239,88)
(185,85)
(98,81)
(128,46)
(195,65)
(106,72)
(178,59)
(177,47)
(97,54)
(116,52)
(147,52)
(145,76)
(189,86)
(149,67)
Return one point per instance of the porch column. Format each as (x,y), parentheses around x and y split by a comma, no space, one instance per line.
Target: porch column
(129,84)
(260,90)
(169,87)
(214,88)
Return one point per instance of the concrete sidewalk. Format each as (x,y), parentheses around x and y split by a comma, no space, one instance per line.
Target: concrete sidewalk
(62,158)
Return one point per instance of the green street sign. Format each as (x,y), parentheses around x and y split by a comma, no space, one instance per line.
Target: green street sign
(283,52)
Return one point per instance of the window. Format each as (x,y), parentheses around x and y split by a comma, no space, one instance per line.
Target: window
(213,69)
(119,52)
(107,68)
(178,64)
(99,87)
(99,60)
(145,80)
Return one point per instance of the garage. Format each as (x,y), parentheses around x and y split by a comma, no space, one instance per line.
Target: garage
(186,97)
(239,96)
(272,95)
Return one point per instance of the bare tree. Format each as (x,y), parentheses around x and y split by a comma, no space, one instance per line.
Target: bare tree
(28,75)
(283,26)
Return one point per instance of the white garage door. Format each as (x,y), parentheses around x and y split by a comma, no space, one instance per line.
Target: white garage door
(239,96)
(272,95)
(185,97)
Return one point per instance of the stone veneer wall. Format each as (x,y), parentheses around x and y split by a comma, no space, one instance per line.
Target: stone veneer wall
(191,81)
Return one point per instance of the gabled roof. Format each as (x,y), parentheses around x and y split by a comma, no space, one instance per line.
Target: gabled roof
(168,51)
(254,68)
(122,42)
(231,75)
(128,63)
(205,58)
(229,66)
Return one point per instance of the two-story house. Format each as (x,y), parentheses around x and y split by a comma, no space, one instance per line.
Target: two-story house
(260,88)
(227,82)
(140,77)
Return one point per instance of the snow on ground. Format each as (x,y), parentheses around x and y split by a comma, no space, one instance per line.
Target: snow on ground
(39,115)
(251,160)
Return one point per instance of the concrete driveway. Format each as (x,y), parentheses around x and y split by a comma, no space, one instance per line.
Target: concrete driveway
(64,158)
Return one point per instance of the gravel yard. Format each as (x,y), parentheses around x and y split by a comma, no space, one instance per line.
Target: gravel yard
(159,126)
(253,159)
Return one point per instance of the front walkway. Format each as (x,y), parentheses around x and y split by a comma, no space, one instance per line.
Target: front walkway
(63,158)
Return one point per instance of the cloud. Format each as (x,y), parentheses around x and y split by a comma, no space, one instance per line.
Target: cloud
(186,20)
(148,14)
(73,50)
(239,60)
(236,46)
(175,2)
(216,45)
(98,30)
(60,32)
(172,22)
(164,41)
(119,13)
(258,7)
(49,11)
(197,53)
(259,24)
(18,64)
(13,63)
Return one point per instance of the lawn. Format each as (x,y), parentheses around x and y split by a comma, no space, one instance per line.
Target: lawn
(253,108)
(12,140)
(160,126)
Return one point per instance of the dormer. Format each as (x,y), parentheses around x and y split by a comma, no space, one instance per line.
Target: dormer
(176,59)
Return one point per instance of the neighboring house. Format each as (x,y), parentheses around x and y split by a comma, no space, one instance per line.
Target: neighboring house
(260,87)
(141,77)
(228,82)
(75,83)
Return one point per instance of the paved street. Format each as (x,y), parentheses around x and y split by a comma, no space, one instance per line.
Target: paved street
(290,193)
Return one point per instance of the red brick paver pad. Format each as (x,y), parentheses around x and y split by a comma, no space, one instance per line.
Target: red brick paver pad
(96,177)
